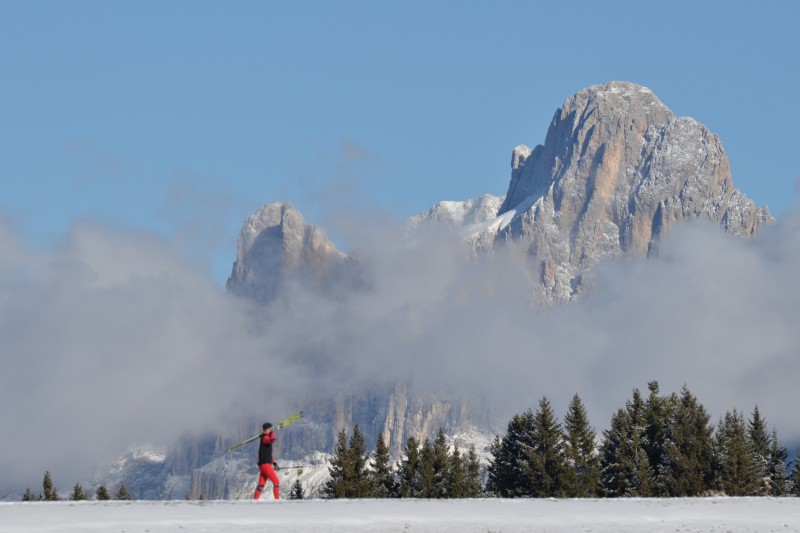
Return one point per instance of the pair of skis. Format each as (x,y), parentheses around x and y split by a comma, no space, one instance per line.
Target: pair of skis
(282,424)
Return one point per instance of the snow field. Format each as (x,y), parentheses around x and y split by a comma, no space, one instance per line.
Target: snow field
(483,515)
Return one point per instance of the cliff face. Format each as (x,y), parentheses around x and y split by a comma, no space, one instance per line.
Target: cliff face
(276,245)
(617,170)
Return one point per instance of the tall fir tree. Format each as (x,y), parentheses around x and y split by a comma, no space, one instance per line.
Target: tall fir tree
(49,493)
(382,477)
(546,460)
(102,493)
(737,473)
(297,492)
(758,437)
(122,493)
(689,453)
(582,475)
(347,468)
(474,485)
(509,469)
(78,493)
(456,475)
(658,439)
(426,471)
(357,452)
(625,465)
(408,470)
(796,475)
(776,467)
(440,463)
(336,486)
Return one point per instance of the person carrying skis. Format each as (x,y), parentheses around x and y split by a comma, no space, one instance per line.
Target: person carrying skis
(266,464)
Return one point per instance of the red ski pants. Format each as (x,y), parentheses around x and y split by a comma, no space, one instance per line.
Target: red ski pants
(266,472)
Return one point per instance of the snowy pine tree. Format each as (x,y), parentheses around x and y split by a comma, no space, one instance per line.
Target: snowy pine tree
(78,493)
(625,465)
(689,452)
(102,494)
(29,496)
(49,494)
(382,477)
(509,469)
(737,473)
(440,462)
(426,473)
(796,475)
(456,475)
(474,487)
(582,476)
(779,484)
(758,438)
(297,492)
(122,493)
(546,460)
(347,468)
(336,486)
(408,470)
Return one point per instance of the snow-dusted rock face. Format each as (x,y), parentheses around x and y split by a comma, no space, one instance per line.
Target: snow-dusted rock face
(459,214)
(276,243)
(617,170)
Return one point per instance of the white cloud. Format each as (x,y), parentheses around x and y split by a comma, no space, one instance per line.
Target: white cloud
(112,339)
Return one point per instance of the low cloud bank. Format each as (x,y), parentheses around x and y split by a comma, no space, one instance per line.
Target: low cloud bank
(111,339)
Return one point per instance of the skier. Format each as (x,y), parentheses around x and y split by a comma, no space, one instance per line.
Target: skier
(266,464)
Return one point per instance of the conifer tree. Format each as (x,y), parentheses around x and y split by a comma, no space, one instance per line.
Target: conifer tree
(474,486)
(758,437)
(440,463)
(49,494)
(382,478)
(357,453)
(78,493)
(776,467)
(426,474)
(547,463)
(29,496)
(614,469)
(689,453)
(122,493)
(508,472)
(457,476)
(657,439)
(408,470)
(796,475)
(102,494)
(336,486)
(582,475)
(625,466)
(736,470)
(297,492)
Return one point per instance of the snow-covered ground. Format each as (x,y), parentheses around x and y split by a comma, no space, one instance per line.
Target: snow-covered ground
(640,515)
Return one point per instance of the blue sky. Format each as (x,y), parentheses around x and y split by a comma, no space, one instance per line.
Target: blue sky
(182,118)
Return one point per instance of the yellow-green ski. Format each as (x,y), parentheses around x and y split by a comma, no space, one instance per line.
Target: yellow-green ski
(282,424)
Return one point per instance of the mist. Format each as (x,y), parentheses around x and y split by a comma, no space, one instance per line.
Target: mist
(112,339)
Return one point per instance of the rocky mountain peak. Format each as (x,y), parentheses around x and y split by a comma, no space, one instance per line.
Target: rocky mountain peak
(617,170)
(275,243)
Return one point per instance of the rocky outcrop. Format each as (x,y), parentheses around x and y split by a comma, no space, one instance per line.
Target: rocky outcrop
(458,215)
(276,245)
(618,169)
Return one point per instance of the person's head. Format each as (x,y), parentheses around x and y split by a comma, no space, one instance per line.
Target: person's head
(267,427)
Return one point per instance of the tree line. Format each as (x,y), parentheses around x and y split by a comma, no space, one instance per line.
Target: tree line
(655,446)
(426,470)
(661,446)
(50,494)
